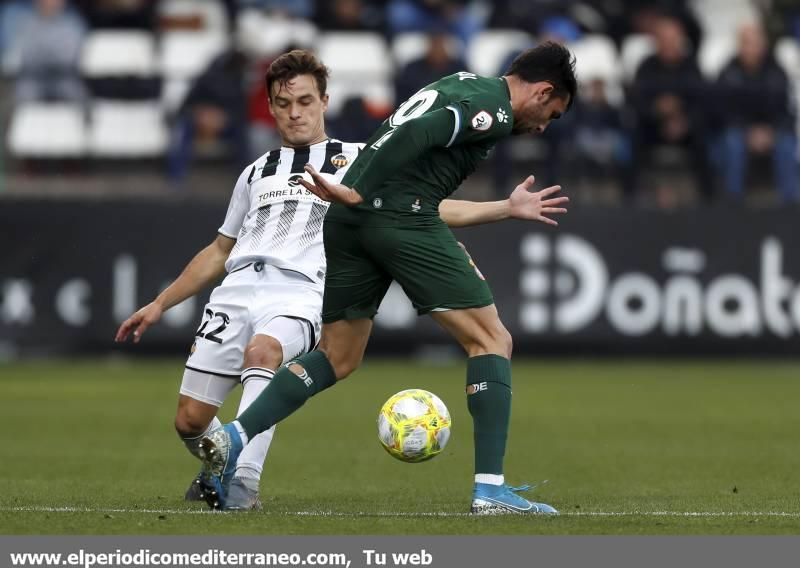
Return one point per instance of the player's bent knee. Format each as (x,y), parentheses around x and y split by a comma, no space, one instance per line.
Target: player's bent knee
(500,342)
(190,421)
(189,427)
(492,340)
(346,368)
(343,363)
(263,351)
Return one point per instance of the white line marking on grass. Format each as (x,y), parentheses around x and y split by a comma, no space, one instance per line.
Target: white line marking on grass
(355,514)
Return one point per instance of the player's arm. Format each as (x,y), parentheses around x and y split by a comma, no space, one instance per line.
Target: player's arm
(521,204)
(205,268)
(398,148)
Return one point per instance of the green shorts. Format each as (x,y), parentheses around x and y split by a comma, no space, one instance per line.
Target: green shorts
(433,269)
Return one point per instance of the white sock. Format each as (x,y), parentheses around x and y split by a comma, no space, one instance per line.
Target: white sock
(251,460)
(490,478)
(193,444)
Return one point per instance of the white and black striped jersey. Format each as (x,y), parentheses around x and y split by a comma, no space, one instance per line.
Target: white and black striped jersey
(276,220)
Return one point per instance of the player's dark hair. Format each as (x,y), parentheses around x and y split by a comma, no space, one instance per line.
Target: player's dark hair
(297,62)
(549,62)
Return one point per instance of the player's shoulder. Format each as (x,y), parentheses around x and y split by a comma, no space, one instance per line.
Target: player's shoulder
(473,91)
(254,169)
(480,103)
(349,147)
(467,84)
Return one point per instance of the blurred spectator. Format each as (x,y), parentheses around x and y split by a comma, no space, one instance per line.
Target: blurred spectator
(615,18)
(755,101)
(559,29)
(350,15)
(48,46)
(437,62)
(461,18)
(783,17)
(214,113)
(528,16)
(357,120)
(625,17)
(602,145)
(262,133)
(287,8)
(668,95)
(12,16)
(120,14)
(531,16)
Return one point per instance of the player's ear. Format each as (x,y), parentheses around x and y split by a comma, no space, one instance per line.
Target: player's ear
(269,105)
(546,91)
(325,103)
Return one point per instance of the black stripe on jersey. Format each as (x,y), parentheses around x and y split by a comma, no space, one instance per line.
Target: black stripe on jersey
(284,222)
(300,159)
(331,149)
(271,163)
(261,221)
(252,173)
(314,224)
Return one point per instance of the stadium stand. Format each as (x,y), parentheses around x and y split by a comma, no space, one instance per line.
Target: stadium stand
(138,78)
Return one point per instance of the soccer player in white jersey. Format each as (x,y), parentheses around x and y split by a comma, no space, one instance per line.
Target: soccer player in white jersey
(267,309)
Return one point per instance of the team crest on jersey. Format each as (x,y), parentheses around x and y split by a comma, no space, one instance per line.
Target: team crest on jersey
(339,161)
(482,121)
(416,206)
(502,116)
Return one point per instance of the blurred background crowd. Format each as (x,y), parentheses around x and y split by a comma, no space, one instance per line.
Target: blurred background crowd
(682,102)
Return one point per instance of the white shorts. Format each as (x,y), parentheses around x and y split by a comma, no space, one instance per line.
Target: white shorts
(247,303)
(213,388)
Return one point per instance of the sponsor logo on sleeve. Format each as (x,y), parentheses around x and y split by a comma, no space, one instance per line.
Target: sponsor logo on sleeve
(482,121)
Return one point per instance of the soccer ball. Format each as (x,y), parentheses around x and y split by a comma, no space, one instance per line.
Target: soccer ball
(414,425)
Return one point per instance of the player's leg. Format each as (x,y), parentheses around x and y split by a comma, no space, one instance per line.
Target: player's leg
(340,352)
(212,370)
(262,356)
(440,278)
(201,395)
(292,385)
(488,345)
(354,288)
(277,339)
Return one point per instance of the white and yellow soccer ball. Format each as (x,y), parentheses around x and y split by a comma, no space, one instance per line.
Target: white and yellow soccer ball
(414,425)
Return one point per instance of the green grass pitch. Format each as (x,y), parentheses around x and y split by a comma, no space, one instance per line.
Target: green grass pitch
(653,447)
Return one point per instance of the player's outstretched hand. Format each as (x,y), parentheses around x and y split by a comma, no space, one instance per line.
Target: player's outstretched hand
(327,191)
(139,322)
(536,205)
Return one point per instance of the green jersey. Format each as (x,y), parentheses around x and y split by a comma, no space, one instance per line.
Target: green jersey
(422,153)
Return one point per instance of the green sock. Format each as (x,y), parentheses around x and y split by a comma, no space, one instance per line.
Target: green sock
(287,392)
(489,403)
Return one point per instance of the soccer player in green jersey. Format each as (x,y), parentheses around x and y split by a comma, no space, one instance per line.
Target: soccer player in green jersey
(385,225)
